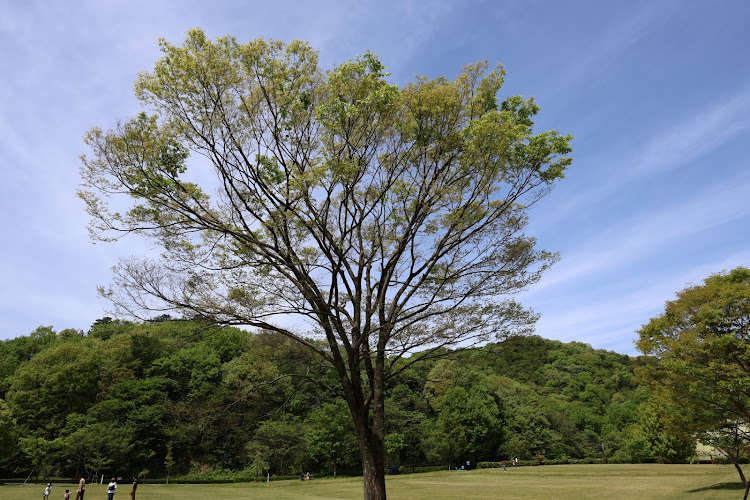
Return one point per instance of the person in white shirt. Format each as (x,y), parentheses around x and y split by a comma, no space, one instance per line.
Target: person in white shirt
(111,488)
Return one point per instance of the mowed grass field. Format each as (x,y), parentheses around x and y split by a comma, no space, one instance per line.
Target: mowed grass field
(559,482)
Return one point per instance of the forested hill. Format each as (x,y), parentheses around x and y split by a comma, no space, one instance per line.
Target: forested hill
(178,397)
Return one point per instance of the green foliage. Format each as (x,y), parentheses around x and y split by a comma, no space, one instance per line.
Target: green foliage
(222,403)
(8,434)
(279,444)
(700,371)
(43,453)
(61,379)
(331,440)
(467,413)
(106,327)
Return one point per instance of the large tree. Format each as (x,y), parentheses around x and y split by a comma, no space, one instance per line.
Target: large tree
(701,346)
(334,206)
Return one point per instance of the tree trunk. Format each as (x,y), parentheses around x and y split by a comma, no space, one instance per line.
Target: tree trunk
(373,468)
(742,475)
(369,429)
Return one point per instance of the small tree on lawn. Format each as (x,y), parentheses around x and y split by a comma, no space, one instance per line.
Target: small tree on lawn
(700,374)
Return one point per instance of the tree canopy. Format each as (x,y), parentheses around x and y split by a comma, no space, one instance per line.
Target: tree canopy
(701,373)
(382,220)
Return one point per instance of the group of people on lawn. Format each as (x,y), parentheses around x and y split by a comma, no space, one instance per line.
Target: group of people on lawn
(111,488)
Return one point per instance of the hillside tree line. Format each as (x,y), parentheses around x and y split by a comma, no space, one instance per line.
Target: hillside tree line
(181,398)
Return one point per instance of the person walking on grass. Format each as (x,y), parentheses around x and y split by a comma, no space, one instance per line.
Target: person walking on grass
(81,489)
(47,491)
(111,488)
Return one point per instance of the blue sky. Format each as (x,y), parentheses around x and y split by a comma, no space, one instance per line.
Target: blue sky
(657,94)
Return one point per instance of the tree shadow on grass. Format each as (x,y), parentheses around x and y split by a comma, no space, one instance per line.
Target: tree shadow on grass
(736,485)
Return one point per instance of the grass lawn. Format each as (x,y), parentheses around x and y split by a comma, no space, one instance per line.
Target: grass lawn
(560,482)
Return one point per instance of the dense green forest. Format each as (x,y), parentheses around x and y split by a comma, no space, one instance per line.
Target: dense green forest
(172,397)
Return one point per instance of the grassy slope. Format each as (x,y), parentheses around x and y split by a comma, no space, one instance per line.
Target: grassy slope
(560,482)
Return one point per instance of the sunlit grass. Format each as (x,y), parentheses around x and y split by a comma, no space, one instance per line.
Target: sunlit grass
(621,482)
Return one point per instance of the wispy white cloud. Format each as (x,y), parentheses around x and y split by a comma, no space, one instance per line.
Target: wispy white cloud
(673,147)
(607,322)
(604,51)
(698,135)
(630,240)
(352,28)
(610,318)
